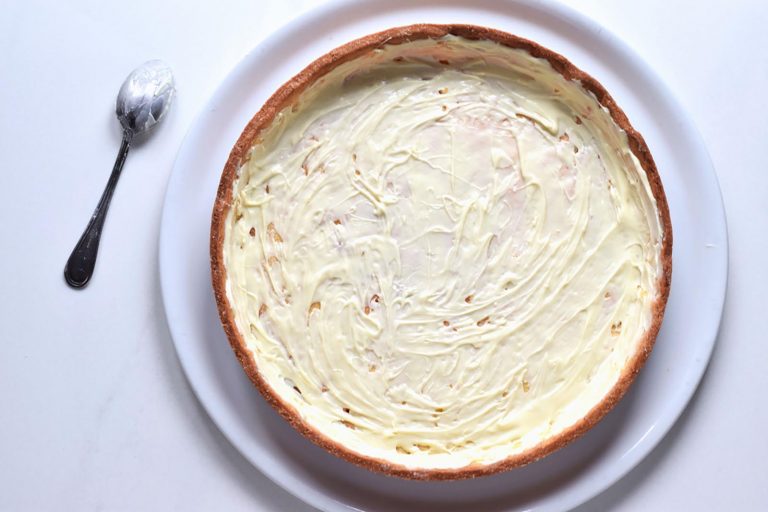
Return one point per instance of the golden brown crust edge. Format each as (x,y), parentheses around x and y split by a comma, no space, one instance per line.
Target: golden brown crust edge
(288,94)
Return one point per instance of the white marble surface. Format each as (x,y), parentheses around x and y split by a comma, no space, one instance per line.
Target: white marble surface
(97,414)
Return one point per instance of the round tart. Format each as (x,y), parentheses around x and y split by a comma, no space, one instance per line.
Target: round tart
(441,251)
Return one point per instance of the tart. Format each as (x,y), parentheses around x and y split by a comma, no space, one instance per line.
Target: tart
(441,251)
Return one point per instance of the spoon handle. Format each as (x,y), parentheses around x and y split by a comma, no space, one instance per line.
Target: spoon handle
(79,267)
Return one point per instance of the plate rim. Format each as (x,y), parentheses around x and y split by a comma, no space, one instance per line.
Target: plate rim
(562,13)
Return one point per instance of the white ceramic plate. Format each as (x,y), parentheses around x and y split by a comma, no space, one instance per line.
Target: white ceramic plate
(560,481)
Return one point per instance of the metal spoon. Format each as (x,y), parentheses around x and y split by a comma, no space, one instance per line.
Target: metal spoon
(143,100)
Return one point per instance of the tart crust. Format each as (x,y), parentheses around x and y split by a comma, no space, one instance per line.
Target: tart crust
(286,96)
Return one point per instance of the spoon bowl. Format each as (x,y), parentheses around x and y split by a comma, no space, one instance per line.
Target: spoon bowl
(145,96)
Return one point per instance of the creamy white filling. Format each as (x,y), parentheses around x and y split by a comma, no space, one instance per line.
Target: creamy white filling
(440,265)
